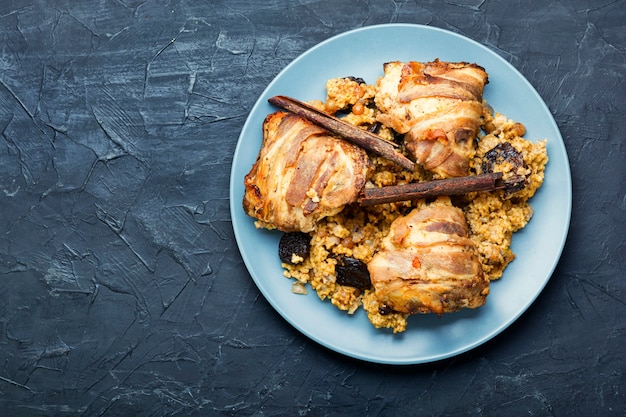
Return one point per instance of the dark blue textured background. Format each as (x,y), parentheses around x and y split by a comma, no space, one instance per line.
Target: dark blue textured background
(122,291)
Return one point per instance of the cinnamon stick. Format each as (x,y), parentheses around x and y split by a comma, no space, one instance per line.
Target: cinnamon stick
(435,188)
(366,140)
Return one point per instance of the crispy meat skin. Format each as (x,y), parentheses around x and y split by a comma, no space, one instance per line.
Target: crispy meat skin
(302,174)
(427,263)
(438,107)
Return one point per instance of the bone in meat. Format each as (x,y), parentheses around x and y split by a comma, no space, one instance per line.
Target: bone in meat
(302,174)
(438,107)
(427,263)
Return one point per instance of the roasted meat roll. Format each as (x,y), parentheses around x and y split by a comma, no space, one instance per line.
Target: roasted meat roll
(438,107)
(428,264)
(302,174)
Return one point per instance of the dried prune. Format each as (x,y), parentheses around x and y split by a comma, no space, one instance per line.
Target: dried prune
(384,310)
(502,152)
(398,138)
(352,272)
(375,128)
(357,80)
(505,152)
(296,243)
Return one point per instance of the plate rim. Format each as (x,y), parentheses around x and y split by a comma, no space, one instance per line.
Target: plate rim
(236,205)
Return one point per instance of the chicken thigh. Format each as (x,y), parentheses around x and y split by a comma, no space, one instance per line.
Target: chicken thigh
(427,263)
(438,107)
(302,174)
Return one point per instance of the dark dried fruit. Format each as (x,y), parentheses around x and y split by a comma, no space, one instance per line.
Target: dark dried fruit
(296,243)
(357,80)
(398,138)
(505,152)
(501,153)
(384,310)
(375,128)
(352,272)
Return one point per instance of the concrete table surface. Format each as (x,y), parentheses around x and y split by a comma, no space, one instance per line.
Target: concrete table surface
(122,290)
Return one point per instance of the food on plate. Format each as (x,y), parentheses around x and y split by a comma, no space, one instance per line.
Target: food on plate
(363,138)
(494,217)
(396,259)
(438,107)
(294,247)
(302,174)
(427,263)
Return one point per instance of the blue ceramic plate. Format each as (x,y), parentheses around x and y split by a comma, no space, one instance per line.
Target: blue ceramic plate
(361,53)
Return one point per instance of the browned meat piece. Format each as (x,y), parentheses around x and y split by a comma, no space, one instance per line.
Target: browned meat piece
(427,263)
(438,106)
(302,174)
